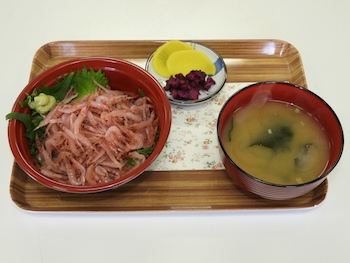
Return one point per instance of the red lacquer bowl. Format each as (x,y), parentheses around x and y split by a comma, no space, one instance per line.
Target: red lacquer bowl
(122,75)
(298,96)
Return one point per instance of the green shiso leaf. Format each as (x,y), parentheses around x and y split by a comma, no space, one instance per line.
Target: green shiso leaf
(83,81)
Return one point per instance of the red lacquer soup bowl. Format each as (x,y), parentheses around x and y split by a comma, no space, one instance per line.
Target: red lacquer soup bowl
(122,75)
(300,98)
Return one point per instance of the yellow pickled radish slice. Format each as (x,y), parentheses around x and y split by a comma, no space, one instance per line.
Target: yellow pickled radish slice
(162,54)
(185,61)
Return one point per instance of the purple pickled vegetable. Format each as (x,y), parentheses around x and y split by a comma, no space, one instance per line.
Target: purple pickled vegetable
(187,87)
(193,94)
(209,83)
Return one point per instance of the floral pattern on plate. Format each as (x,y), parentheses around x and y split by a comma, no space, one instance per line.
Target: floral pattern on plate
(192,143)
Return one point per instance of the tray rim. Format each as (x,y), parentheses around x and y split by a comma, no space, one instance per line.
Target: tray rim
(316,200)
(48,47)
(283,46)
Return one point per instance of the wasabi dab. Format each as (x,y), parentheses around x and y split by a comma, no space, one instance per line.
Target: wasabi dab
(42,103)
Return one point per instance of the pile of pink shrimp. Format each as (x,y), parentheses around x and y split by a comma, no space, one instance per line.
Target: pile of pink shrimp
(90,140)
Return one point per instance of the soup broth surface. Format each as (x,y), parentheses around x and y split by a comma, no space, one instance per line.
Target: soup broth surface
(276,142)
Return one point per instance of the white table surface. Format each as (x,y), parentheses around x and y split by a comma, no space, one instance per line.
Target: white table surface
(318,29)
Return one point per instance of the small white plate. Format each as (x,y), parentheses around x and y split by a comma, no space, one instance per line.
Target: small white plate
(219,76)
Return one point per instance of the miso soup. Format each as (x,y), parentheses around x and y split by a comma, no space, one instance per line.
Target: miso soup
(276,142)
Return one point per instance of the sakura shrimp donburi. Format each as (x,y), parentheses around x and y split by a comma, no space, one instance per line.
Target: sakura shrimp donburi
(108,122)
(84,133)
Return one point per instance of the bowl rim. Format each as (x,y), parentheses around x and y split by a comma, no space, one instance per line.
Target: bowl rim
(26,165)
(324,174)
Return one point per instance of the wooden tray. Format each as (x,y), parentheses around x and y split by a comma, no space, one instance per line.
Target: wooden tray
(203,190)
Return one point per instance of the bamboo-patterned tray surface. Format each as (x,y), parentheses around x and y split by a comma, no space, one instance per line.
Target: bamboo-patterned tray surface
(171,190)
